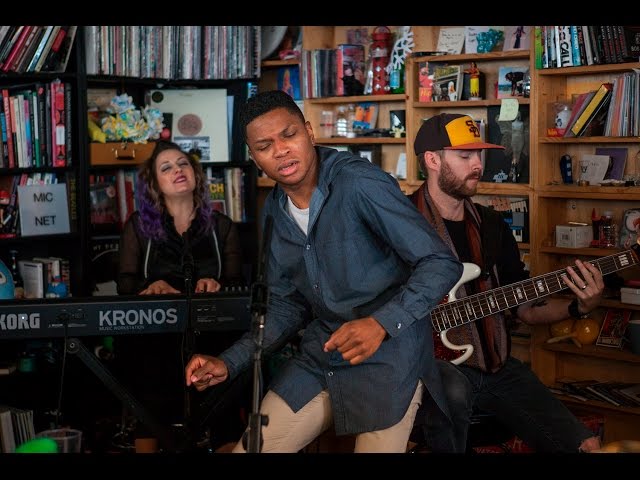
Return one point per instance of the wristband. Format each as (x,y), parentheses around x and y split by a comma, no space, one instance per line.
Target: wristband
(574,312)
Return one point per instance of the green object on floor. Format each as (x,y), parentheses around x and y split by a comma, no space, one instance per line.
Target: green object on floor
(38,445)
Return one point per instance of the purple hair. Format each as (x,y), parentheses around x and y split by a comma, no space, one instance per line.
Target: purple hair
(150,200)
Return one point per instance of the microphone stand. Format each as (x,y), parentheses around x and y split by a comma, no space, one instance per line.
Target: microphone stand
(187,269)
(252,439)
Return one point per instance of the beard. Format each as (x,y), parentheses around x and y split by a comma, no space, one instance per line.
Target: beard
(455,187)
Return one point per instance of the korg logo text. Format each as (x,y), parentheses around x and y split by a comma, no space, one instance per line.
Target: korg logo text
(19,321)
(136,318)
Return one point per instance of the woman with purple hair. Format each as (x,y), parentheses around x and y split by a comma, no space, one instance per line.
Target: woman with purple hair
(175,231)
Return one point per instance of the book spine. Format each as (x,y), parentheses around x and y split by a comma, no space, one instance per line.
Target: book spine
(565,51)
(575,47)
(17,48)
(59,154)
(68,136)
(9,123)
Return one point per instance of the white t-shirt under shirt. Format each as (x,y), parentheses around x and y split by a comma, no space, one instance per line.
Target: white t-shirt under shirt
(299,215)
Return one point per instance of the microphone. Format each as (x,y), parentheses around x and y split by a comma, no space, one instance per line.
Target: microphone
(187,261)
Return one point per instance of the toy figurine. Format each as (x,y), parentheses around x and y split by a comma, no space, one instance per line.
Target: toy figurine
(474,82)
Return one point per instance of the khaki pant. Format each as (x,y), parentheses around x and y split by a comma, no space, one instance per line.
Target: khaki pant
(289,432)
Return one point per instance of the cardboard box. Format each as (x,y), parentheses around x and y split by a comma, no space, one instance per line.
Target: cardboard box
(573,236)
(120,153)
(630,295)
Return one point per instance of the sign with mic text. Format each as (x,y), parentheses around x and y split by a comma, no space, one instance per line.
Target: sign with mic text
(43,209)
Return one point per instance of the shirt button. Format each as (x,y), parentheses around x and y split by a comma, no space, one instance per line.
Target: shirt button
(398,325)
(308,246)
(330,374)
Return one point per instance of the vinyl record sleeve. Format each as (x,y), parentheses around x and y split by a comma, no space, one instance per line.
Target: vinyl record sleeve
(199,120)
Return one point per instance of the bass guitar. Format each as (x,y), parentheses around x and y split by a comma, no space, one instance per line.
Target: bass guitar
(455,313)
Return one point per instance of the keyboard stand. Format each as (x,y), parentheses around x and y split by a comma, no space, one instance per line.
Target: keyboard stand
(165,439)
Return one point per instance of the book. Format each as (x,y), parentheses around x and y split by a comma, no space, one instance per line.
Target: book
(350,69)
(365,116)
(34,277)
(602,95)
(289,81)
(7,368)
(217,193)
(447,83)
(632,392)
(511,81)
(630,227)
(425,81)
(104,265)
(593,168)
(579,104)
(613,326)
(618,156)
(450,40)
(517,37)
(7,437)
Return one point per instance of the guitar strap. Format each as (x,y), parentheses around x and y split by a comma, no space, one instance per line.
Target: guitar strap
(490,340)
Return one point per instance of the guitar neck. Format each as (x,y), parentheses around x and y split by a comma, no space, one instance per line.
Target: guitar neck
(480,305)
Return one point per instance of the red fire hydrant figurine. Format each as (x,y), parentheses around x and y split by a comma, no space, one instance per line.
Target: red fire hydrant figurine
(380,52)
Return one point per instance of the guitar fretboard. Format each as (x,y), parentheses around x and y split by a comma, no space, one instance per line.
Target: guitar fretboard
(480,305)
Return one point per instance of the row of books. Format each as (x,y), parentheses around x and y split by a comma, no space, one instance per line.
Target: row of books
(16,427)
(227,192)
(619,394)
(611,110)
(45,277)
(34,120)
(35,48)
(173,52)
(623,118)
(112,197)
(331,72)
(575,45)
(589,112)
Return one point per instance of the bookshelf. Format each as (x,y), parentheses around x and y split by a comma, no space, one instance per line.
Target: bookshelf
(563,203)
(232,72)
(550,202)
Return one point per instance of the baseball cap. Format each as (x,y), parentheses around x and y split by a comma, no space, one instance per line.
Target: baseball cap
(450,131)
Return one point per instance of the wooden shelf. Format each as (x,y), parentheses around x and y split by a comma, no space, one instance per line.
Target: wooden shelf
(490,188)
(360,140)
(577,252)
(590,192)
(593,351)
(279,63)
(588,70)
(397,97)
(596,405)
(467,103)
(265,182)
(474,57)
(578,140)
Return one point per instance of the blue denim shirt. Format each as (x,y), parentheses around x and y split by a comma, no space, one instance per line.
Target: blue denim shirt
(368,251)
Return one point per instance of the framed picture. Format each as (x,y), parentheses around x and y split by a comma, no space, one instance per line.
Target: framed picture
(510,165)
(373,153)
(613,327)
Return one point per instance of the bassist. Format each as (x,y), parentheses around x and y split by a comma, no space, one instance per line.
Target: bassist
(448,147)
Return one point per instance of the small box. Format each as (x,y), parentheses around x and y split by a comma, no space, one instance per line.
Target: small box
(630,295)
(573,236)
(120,153)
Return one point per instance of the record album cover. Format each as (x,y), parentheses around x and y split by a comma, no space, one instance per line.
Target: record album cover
(199,120)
